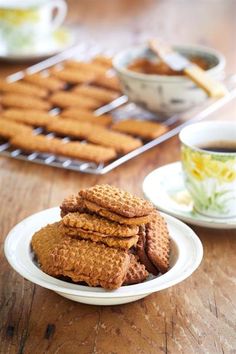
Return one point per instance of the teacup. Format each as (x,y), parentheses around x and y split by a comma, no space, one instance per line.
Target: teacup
(208,154)
(24,23)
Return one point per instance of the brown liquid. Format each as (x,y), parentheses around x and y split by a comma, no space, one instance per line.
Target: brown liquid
(220,146)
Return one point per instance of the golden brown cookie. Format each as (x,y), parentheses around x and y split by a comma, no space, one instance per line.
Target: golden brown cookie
(99,225)
(70,205)
(107,81)
(70,99)
(124,243)
(93,263)
(67,127)
(158,243)
(120,142)
(44,242)
(72,76)
(22,88)
(95,68)
(39,143)
(101,94)
(142,252)
(103,60)
(143,129)
(23,101)
(116,200)
(86,152)
(84,115)
(46,82)
(136,272)
(10,129)
(94,208)
(28,116)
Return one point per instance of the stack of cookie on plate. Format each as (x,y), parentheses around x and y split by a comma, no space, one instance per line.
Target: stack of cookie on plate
(107,237)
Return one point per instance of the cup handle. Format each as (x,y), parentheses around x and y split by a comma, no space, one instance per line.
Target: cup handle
(61,7)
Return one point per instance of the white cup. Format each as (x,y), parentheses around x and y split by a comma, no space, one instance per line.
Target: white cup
(24,23)
(210,176)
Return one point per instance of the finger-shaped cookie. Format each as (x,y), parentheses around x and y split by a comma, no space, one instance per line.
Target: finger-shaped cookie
(72,76)
(103,60)
(101,94)
(95,68)
(14,100)
(10,129)
(23,88)
(45,82)
(84,115)
(67,127)
(109,82)
(70,99)
(29,117)
(39,143)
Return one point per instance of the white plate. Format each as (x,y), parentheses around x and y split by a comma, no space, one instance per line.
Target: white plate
(164,187)
(59,40)
(186,255)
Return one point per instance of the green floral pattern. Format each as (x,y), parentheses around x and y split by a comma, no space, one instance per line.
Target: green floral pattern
(210,179)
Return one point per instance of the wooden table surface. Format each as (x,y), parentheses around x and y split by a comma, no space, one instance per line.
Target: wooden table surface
(196,316)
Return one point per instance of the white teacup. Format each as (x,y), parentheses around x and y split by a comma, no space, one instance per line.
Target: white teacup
(25,22)
(210,176)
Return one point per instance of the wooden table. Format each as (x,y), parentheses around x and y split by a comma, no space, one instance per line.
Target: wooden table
(196,316)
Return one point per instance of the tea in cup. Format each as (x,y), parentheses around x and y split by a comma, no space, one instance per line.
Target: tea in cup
(24,23)
(208,154)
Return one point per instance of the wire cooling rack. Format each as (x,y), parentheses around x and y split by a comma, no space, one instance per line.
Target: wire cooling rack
(118,108)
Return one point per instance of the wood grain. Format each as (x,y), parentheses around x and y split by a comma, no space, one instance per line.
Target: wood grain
(196,316)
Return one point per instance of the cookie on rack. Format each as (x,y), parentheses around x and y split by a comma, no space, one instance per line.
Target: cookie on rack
(101,94)
(86,115)
(10,129)
(46,82)
(23,88)
(15,100)
(31,117)
(69,99)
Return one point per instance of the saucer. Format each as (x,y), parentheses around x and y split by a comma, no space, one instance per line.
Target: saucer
(164,187)
(56,42)
(185,257)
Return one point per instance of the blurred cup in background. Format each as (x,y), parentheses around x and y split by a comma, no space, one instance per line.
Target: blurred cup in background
(24,23)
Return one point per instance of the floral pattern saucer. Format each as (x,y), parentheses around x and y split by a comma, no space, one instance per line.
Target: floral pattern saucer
(165,188)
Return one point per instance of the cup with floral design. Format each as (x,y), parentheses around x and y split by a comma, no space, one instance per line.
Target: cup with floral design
(210,174)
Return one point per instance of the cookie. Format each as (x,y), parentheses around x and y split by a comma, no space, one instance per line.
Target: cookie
(101,94)
(44,242)
(124,243)
(136,272)
(107,81)
(86,152)
(10,129)
(103,60)
(67,127)
(28,117)
(117,201)
(72,76)
(69,205)
(38,143)
(93,263)
(142,252)
(95,68)
(99,225)
(23,88)
(158,243)
(45,82)
(84,115)
(23,101)
(120,142)
(70,99)
(143,129)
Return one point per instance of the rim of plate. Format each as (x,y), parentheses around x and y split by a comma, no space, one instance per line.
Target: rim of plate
(199,220)
(17,251)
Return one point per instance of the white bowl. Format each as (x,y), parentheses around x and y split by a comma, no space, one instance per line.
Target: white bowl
(186,255)
(163,93)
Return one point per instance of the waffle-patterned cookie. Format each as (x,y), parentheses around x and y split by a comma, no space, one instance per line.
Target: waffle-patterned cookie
(39,143)
(124,243)
(86,152)
(16,100)
(28,116)
(70,99)
(94,208)
(120,142)
(84,115)
(70,205)
(44,242)
(141,128)
(23,88)
(136,272)
(117,201)
(93,263)
(99,225)
(10,129)
(47,82)
(141,252)
(158,243)
(101,94)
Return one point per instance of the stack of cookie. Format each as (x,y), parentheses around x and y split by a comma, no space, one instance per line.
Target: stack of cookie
(107,237)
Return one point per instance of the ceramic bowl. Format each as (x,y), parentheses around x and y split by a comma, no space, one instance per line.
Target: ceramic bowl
(162,93)
(186,255)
